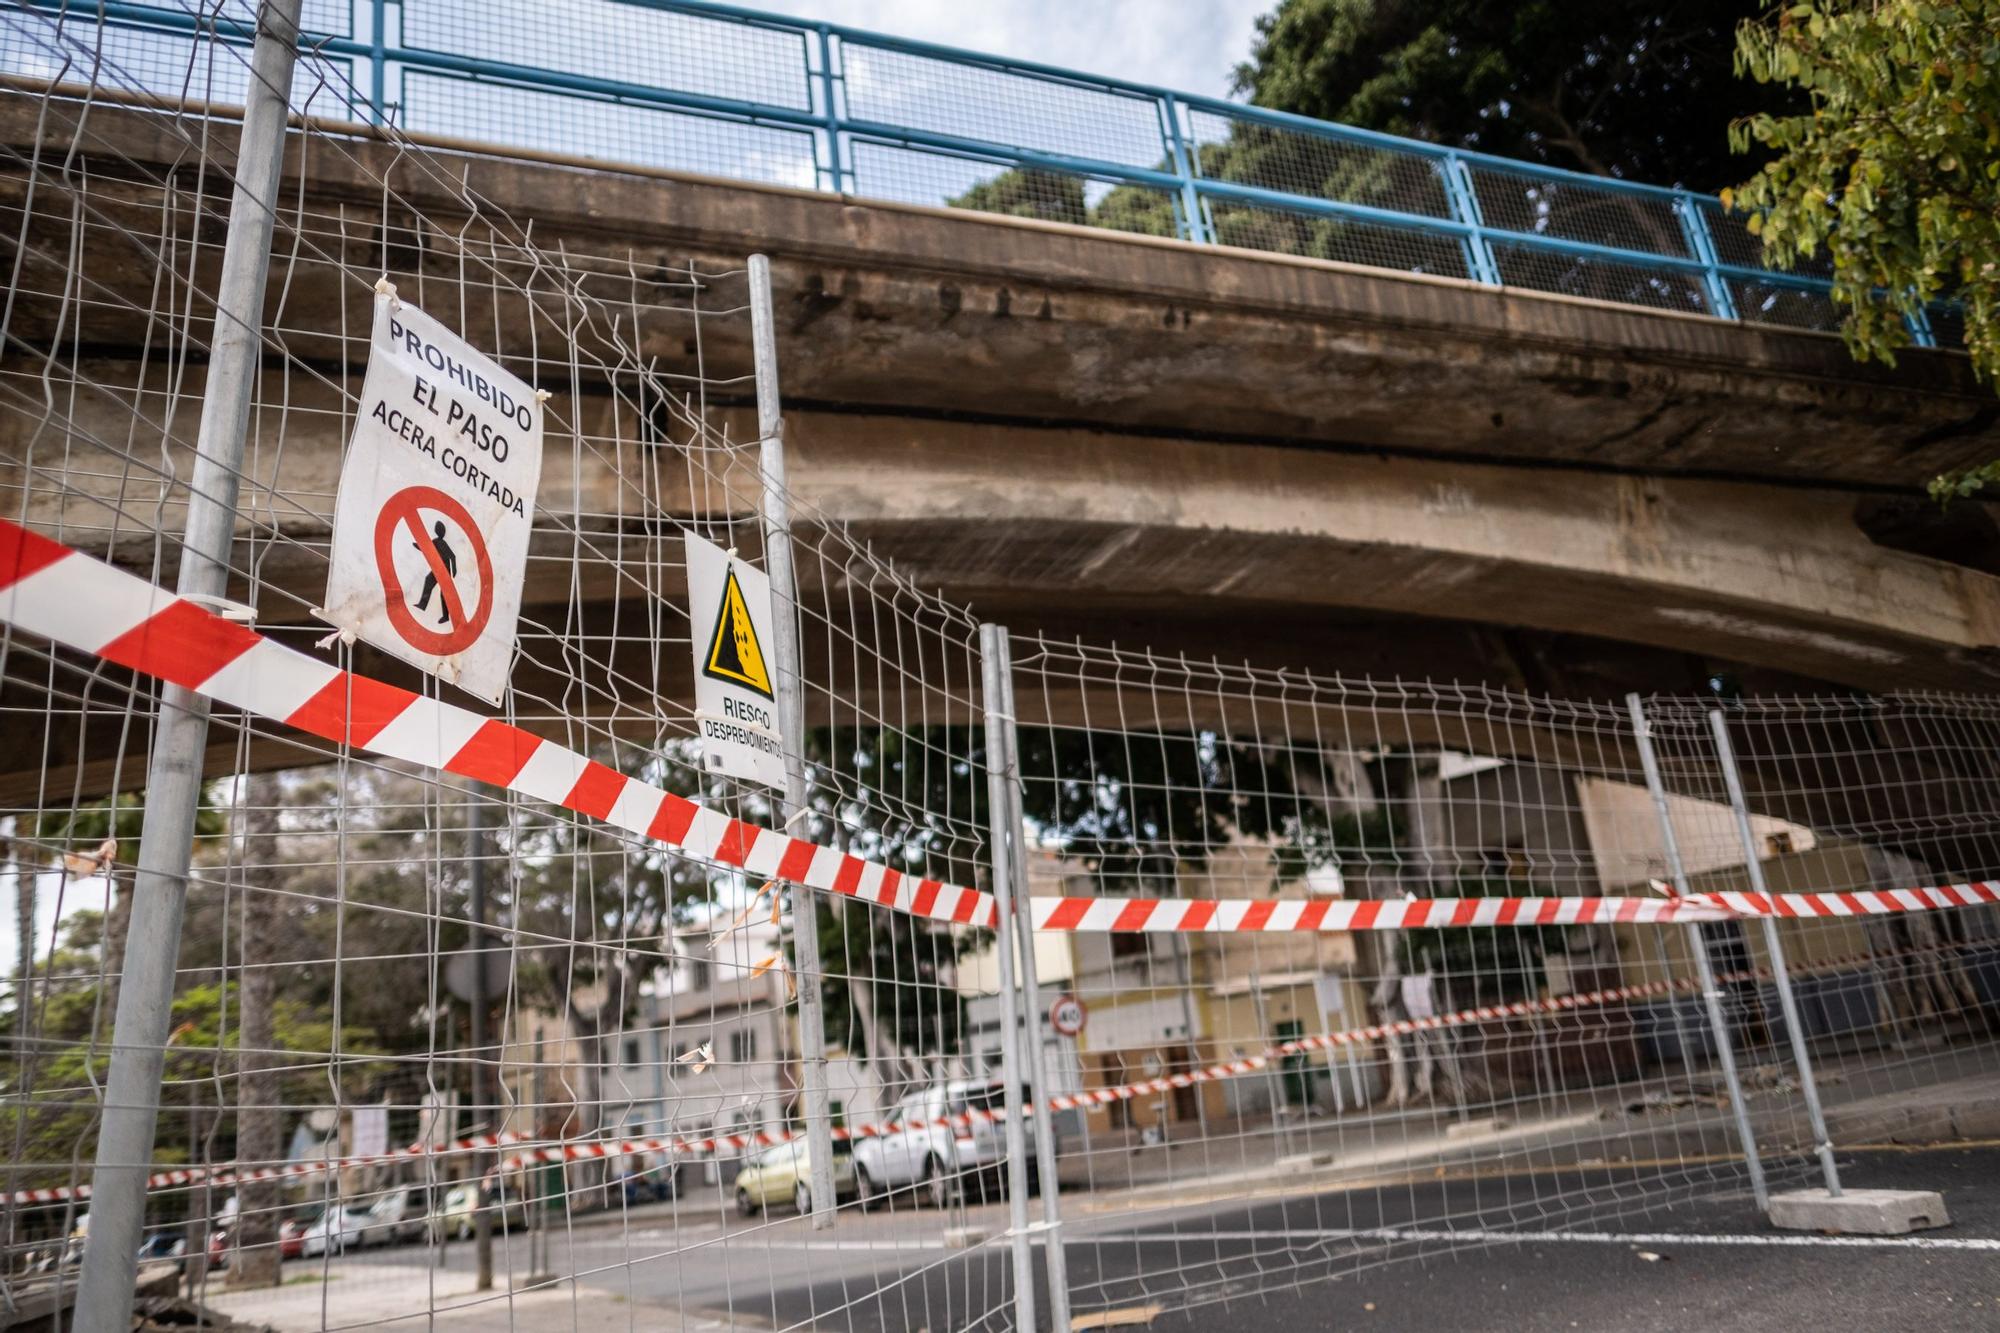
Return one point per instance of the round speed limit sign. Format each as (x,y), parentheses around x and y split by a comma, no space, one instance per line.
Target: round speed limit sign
(1067,1015)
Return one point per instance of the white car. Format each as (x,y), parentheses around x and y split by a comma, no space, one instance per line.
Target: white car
(922,1148)
(398,1216)
(334,1230)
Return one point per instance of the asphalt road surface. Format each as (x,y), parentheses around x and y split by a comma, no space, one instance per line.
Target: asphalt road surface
(1567,1246)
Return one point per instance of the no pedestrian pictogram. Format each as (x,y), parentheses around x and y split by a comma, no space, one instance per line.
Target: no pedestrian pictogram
(437,621)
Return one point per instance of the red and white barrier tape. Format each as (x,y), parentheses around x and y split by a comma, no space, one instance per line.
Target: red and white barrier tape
(1866,902)
(57,593)
(585,1149)
(1234,915)
(60,594)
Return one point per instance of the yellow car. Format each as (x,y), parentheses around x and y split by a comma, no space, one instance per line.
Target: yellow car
(783,1173)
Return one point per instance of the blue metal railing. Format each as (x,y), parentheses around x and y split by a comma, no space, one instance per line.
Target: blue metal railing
(844,110)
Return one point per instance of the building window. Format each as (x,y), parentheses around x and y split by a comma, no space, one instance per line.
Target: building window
(1130,944)
(631,1050)
(743,1046)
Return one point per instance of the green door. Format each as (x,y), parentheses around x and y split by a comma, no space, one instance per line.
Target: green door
(1296,1082)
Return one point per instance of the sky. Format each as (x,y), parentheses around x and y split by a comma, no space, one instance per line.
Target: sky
(1188,46)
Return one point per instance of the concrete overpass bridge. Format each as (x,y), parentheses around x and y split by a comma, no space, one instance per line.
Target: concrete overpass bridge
(1286,458)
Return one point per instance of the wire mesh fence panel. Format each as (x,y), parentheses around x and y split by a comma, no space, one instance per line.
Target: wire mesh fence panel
(948,180)
(1575,210)
(1000,105)
(522,1014)
(1845,797)
(630,1127)
(704,55)
(1793,307)
(189,69)
(1242,151)
(1258,1089)
(607,131)
(1601,280)
(1315,237)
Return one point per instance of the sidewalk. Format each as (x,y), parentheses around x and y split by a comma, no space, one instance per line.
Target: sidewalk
(424,1297)
(1873,1097)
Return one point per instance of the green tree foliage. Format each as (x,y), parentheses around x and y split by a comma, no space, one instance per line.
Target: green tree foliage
(1029,194)
(1640,89)
(1893,172)
(72,1058)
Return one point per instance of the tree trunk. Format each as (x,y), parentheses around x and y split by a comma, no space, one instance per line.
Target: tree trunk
(259,1131)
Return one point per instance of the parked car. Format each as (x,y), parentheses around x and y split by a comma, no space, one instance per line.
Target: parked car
(650,1186)
(921,1150)
(164,1246)
(292,1231)
(335,1229)
(396,1217)
(455,1218)
(784,1173)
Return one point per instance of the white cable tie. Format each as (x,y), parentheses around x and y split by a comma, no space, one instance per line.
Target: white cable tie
(384,287)
(341,633)
(795,816)
(222,606)
(543,395)
(730,553)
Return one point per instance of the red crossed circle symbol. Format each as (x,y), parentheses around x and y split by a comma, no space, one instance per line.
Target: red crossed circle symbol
(400,513)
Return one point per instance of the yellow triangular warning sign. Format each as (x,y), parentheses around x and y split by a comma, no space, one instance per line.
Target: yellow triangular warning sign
(733,653)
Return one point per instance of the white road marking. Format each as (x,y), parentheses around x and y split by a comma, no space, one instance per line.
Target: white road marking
(1472,1235)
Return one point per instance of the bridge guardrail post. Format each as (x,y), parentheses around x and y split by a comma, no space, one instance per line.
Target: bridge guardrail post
(1725,754)
(1711,992)
(1194,225)
(1480,263)
(1701,242)
(378,62)
(1921,332)
(836,170)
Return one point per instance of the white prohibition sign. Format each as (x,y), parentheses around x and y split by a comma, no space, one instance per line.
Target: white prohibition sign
(1067,1015)
(437,499)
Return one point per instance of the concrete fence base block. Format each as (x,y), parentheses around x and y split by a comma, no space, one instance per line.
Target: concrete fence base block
(1859,1212)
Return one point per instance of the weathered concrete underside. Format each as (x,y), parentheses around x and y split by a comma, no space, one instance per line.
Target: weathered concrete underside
(1231,455)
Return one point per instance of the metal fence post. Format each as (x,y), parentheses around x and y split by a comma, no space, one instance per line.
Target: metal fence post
(1725,1047)
(484,1102)
(1054,1261)
(1823,1144)
(131,1102)
(1003,836)
(777,515)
